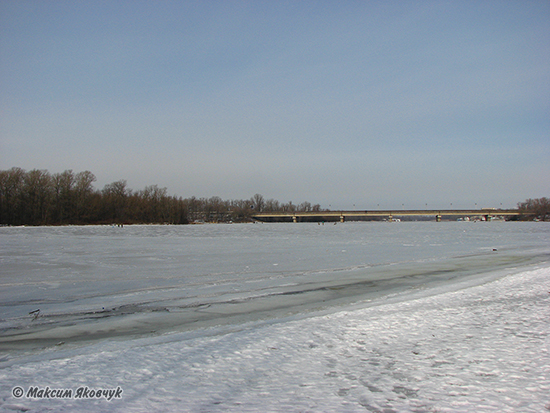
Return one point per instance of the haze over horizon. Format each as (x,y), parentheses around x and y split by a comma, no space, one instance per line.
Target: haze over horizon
(351,105)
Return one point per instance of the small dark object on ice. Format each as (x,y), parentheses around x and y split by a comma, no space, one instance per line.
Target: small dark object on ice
(35,313)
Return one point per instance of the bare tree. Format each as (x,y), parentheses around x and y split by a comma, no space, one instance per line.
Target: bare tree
(539,207)
(36,196)
(258,203)
(272,205)
(83,189)
(304,207)
(11,186)
(64,196)
(115,198)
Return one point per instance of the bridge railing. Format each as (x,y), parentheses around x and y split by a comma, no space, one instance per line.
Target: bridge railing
(389,214)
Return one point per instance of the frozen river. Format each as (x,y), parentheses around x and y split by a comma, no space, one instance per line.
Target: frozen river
(450,316)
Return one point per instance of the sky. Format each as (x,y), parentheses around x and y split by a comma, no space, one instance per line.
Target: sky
(351,105)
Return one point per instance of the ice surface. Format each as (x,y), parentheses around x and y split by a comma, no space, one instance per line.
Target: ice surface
(484,348)
(475,339)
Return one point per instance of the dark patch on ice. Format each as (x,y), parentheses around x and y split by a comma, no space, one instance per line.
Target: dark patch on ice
(405,391)
(229,307)
(440,363)
(372,388)
(375,409)
(343,392)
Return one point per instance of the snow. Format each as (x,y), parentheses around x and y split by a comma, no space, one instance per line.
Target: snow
(483,348)
(450,340)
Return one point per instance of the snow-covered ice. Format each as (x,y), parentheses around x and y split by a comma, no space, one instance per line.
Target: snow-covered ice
(475,344)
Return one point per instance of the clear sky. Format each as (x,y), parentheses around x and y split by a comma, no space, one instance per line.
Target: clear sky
(350,104)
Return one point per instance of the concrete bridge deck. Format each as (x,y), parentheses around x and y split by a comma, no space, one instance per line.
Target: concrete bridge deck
(486,213)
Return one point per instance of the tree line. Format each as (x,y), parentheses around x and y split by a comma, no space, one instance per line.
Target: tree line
(37,197)
(539,208)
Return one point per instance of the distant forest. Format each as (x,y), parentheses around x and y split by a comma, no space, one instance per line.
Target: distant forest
(39,198)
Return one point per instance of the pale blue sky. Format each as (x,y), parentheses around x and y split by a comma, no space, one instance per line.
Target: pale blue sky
(348,104)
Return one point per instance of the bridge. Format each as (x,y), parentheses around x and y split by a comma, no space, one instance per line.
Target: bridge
(390,215)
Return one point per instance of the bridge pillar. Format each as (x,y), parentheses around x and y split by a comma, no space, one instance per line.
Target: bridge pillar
(438,218)
(390,218)
(342,219)
(294,218)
